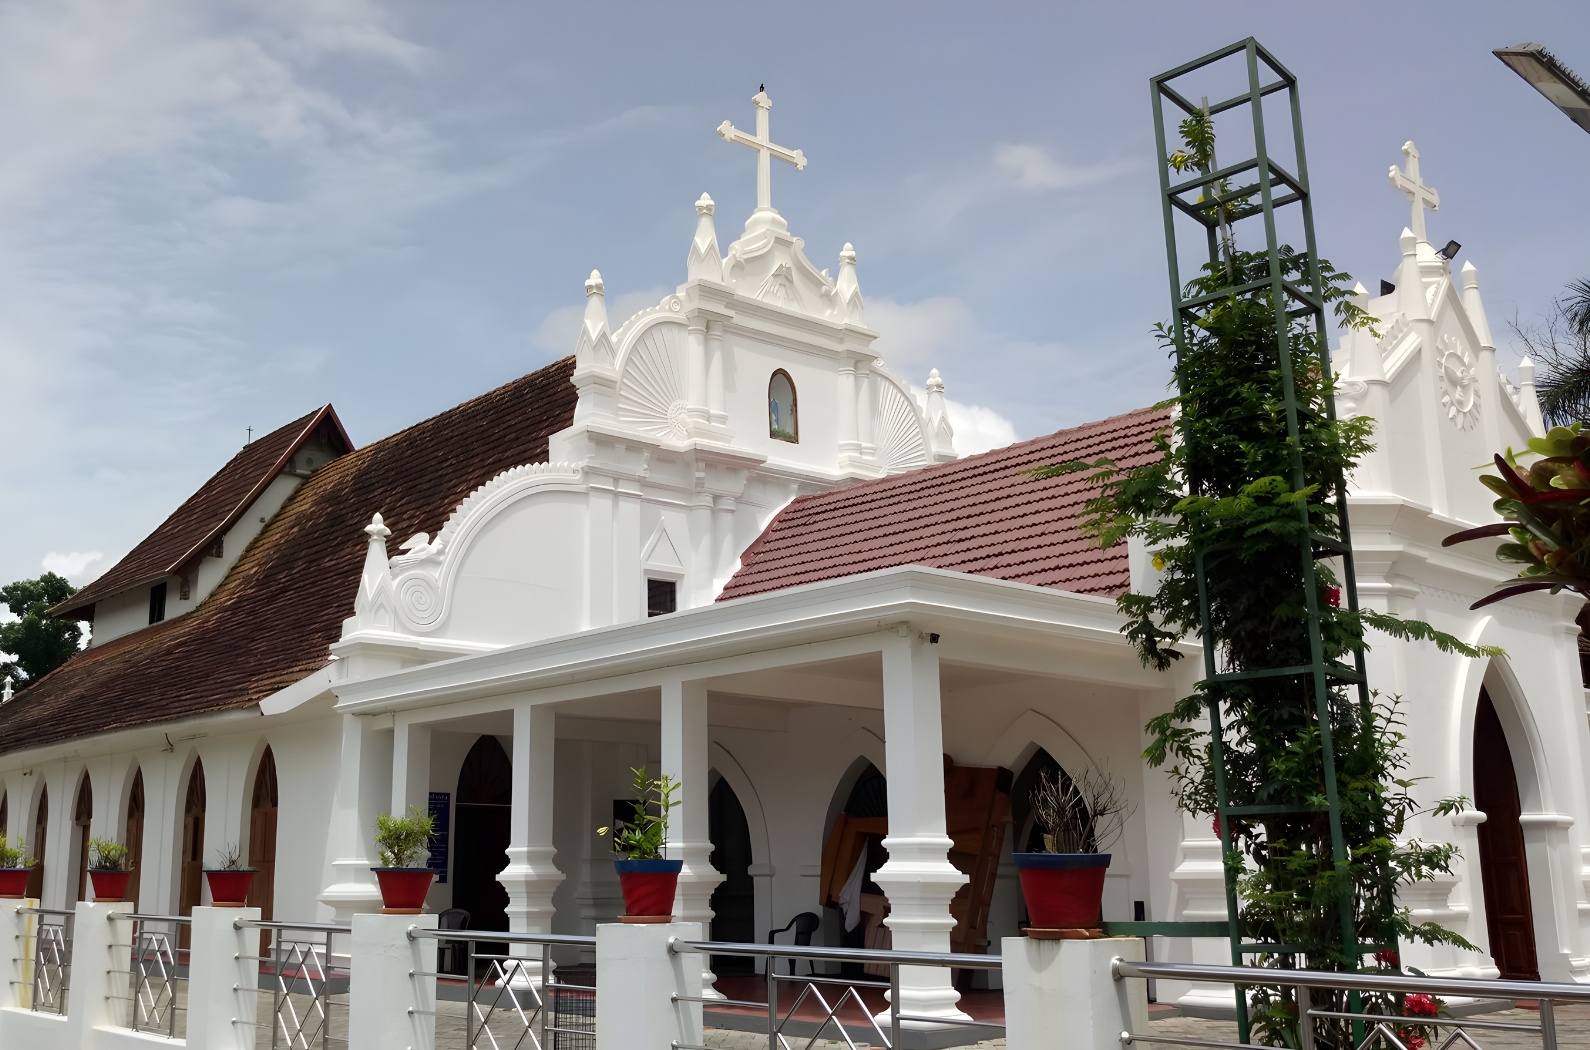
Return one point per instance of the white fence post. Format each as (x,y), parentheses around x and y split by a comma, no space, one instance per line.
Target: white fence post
(636,980)
(98,992)
(1066,987)
(16,957)
(223,979)
(390,1005)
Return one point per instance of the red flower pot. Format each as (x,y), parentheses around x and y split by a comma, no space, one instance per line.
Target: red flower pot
(1063,890)
(229,888)
(649,887)
(14,883)
(110,886)
(403,890)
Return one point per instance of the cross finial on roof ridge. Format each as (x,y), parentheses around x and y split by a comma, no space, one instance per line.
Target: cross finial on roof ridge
(1411,183)
(765,150)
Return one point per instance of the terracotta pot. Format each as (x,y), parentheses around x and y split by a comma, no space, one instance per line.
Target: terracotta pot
(14,883)
(1063,891)
(403,890)
(110,886)
(649,887)
(229,887)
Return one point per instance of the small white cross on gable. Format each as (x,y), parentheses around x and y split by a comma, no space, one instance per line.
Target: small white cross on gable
(765,150)
(1419,195)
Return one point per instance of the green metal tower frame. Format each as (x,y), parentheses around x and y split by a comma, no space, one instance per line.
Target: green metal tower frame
(1275,188)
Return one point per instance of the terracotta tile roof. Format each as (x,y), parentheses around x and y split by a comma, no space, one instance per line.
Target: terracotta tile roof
(209,512)
(270,621)
(975,515)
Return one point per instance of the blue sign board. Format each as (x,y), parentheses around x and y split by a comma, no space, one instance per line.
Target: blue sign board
(441,810)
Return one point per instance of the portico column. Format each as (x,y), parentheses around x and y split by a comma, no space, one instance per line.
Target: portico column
(531,877)
(364,787)
(918,879)
(684,758)
(411,768)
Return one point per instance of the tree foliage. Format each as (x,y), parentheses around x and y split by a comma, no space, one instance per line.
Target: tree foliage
(1560,343)
(39,643)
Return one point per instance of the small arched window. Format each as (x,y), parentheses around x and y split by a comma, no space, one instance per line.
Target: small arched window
(783,419)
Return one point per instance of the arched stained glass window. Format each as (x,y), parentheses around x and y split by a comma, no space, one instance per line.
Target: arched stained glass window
(783,421)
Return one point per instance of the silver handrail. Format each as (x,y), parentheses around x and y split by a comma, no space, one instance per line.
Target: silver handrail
(43,911)
(502,937)
(268,924)
(1362,982)
(678,945)
(135,916)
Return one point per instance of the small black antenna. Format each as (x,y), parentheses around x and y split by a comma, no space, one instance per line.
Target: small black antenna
(250,440)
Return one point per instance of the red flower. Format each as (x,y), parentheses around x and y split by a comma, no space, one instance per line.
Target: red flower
(1215,823)
(1420,1006)
(1333,595)
(1413,1040)
(1388,957)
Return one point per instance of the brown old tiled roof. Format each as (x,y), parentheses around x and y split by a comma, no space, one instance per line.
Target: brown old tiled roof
(269,623)
(978,515)
(209,512)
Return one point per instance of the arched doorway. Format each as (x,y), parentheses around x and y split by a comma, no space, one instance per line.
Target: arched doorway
(480,836)
(1504,869)
(852,855)
(1026,836)
(135,836)
(191,867)
(41,822)
(262,842)
(5,803)
(734,899)
(82,821)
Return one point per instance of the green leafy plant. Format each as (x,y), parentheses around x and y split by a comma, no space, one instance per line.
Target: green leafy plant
(229,857)
(1223,497)
(1545,508)
(645,834)
(15,856)
(403,841)
(106,855)
(1084,814)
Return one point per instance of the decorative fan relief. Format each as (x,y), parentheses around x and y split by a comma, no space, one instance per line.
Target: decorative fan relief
(651,391)
(901,444)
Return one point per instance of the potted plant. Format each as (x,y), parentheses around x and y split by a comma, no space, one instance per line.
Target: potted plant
(1078,818)
(404,878)
(107,867)
(229,880)
(647,880)
(14,867)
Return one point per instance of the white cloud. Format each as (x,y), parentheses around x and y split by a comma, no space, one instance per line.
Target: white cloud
(978,429)
(1031,167)
(70,565)
(913,337)
(560,328)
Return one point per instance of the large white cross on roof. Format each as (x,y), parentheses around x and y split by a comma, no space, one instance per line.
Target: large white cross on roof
(765,150)
(1419,195)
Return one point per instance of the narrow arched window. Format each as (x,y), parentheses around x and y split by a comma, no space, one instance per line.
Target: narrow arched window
(783,419)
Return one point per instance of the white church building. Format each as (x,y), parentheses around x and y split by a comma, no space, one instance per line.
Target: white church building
(724,541)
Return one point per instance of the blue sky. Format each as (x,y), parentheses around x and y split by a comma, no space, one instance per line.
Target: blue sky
(221,216)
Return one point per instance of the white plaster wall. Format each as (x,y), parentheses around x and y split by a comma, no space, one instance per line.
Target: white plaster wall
(517,581)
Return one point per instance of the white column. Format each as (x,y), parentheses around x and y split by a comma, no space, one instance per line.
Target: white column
(724,553)
(223,980)
(411,767)
(701,550)
(696,371)
(848,444)
(866,411)
(531,877)
(16,969)
(684,758)
(389,1005)
(364,787)
(715,368)
(636,980)
(918,879)
(1067,986)
(98,991)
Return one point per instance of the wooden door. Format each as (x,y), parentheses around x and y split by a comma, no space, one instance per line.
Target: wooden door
(191,884)
(135,836)
(82,818)
(41,822)
(262,843)
(1504,870)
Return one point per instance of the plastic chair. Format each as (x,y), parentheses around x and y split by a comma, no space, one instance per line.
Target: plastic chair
(450,955)
(805,924)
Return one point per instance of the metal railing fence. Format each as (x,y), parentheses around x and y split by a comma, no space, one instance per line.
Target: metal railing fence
(510,1007)
(1371,1029)
(157,974)
(850,996)
(308,983)
(52,959)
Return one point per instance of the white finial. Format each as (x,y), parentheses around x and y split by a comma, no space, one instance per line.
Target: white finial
(1420,196)
(5,697)
(765,151)
(848,304)
(373,608)
(935,383)
(940,434)
(704,260)
(1528,402)
(376,530)
(595,344)
(1410,282)
(1474,306)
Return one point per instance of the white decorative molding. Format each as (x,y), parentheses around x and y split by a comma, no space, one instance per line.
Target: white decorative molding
(941,435)
(902,432)
(779,288)
(1468,818)
(1457,382)
(653,382)
(704,262)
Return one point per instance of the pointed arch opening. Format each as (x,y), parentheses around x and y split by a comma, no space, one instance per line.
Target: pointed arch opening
(134,831)
(82,823)
(190,880)
(5,806)
(262,841)
(41,823)
(481,828)
(783,413)
(1504,868)
(734,899)
(854,905)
